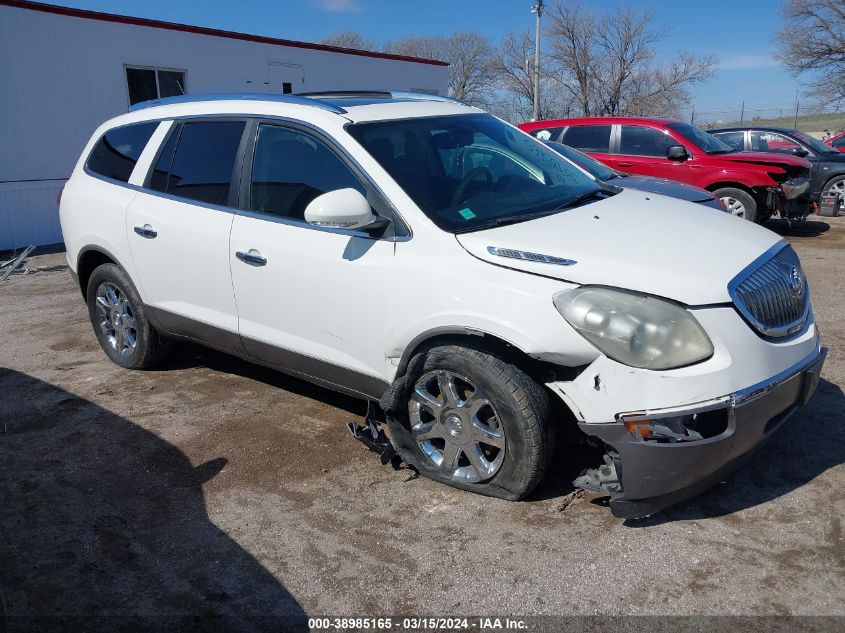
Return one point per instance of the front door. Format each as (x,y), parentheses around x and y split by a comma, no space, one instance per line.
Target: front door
(178,228)
(642,150)
(310,299)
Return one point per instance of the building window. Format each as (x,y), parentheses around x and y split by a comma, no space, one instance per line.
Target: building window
(153,83)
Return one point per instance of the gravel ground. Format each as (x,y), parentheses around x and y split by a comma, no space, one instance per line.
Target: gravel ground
(213,492)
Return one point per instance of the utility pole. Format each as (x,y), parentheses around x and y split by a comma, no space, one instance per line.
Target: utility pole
(692,116)
(538,10)
(742,113)
(795,125)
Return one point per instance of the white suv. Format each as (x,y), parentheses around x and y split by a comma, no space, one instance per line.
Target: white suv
(427,256)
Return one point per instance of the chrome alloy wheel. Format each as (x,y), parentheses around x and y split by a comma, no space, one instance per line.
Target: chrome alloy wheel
(116,318)
(838,187)
(735,207)
(456,426)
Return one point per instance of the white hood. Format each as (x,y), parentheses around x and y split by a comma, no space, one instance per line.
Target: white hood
(637,241)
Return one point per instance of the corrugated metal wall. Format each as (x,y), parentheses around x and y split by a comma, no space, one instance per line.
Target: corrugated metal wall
(29,213)
(62,76)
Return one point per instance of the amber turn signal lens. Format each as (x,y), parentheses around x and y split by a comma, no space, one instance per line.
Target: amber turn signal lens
(640,427)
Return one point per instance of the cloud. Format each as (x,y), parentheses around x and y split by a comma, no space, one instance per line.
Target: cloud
(337,6)
(743,61)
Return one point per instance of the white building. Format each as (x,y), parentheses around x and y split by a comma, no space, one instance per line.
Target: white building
(64,71)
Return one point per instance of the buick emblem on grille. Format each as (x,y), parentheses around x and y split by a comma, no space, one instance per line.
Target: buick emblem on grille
(796,282)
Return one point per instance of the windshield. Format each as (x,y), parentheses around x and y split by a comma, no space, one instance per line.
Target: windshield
(597,169)
(472,171)
(707,143)
(813,143)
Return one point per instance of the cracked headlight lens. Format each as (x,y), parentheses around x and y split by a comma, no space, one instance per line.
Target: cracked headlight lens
(636,330)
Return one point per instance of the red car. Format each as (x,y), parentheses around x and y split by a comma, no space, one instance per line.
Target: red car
(753,185)
(837,141)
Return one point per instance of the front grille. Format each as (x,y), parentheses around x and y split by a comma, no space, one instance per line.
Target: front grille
(773,295)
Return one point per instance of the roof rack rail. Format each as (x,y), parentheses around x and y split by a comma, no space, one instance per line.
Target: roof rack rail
(376,94)
(239,96)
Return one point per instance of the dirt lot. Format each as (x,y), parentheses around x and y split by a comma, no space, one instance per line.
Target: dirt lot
(219,493)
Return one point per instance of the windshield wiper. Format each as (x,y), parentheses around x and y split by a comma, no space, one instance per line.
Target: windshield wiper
(582,198)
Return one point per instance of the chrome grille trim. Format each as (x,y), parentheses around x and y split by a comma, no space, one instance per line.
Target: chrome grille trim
(772,292)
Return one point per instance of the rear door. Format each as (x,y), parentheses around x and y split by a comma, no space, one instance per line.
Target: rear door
(594,140)
(178,228)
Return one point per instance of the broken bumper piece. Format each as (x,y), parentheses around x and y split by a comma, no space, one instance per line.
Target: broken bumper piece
(658,458)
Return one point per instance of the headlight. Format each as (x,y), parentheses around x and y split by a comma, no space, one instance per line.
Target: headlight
(633,329)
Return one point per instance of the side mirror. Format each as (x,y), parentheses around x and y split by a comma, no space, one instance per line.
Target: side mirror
(677,152)
(800,151)
(344,209)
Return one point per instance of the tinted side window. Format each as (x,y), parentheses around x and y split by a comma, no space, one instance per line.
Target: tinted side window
(637,140)
(291,168)
(734,139)
(116,153)
(588,138)
(840,142)
(161,170)
(203,161)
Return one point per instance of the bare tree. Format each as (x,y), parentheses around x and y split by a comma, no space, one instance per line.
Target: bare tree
(350,39)
(607,62)
(470,57)
(814,41)
(513,66)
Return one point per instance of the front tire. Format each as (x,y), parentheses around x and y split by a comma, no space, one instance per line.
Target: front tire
(474,421)
(740,203)
(119,320)
(837,185)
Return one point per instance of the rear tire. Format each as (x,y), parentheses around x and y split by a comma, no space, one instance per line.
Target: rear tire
(740,203)
(119,319)
(474,421)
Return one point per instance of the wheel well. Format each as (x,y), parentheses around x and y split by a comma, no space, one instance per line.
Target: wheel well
(733,185)
(89,261)
(541,371)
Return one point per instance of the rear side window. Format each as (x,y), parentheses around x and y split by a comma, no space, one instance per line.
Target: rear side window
(198,161)
(115,154)
(638,140)
(588,138)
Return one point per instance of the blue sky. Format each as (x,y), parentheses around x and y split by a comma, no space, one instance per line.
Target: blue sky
(741,33)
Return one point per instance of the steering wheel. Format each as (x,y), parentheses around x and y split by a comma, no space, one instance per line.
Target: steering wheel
(461,189)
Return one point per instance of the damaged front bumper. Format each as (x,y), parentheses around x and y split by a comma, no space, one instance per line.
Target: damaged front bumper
(788,199)
(658,458)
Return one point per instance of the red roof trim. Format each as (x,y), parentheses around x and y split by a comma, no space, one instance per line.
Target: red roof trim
(200,30)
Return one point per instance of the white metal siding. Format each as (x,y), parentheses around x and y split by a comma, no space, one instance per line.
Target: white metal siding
(29,214)
(62,76)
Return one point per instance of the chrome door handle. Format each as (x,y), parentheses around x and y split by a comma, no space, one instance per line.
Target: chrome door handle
(146,231)
(252,259)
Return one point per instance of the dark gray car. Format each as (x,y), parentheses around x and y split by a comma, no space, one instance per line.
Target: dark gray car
(662,186)
(828,172)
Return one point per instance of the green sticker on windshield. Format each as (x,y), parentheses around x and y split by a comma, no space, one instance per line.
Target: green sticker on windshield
(466,214)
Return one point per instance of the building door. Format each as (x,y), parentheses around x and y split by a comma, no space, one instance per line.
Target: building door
(284,78)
